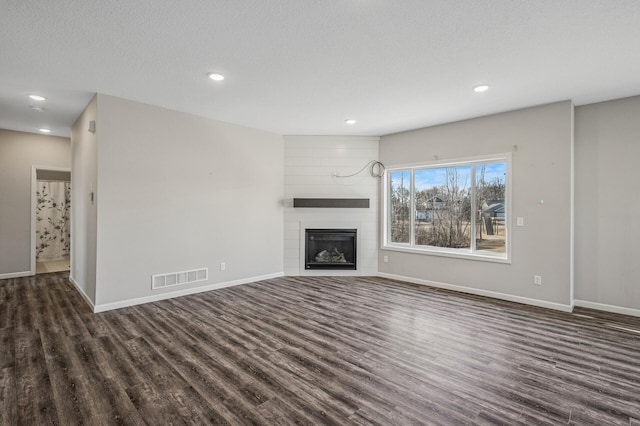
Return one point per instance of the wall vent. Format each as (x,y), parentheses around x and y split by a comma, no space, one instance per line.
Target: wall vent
(179,278)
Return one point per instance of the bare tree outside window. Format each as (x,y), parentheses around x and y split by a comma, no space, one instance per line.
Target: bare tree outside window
(460,206)
(400,207)
(443,207)
(490,207)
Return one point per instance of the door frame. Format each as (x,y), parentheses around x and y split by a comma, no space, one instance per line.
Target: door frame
(34,205)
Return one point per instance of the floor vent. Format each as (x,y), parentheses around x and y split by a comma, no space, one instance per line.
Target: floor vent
(179,278)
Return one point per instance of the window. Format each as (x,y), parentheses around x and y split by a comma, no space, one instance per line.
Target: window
(456,208)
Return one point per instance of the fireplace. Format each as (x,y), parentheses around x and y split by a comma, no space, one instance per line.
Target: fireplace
(330,249)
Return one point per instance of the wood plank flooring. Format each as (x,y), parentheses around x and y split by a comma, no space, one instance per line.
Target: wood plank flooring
(343,351)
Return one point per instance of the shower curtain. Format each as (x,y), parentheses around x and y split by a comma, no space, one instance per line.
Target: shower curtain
(53,223)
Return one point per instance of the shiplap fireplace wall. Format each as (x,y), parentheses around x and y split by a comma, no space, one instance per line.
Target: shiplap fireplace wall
(309,165)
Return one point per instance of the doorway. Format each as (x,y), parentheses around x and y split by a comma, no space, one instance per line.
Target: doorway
(51,220)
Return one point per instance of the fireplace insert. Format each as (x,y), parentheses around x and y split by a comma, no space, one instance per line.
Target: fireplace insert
(330,249)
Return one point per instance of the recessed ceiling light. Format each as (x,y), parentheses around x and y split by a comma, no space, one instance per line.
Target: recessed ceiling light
(37,108)
(43,130)
(481,88)
(215,76)
(37,98)
(350,121)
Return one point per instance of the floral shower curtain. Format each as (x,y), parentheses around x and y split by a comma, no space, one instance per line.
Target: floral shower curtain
(53,223)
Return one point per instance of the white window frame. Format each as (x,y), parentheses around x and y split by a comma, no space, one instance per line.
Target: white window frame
(470,253)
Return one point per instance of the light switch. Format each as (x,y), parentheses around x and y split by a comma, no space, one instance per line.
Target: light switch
(520,221)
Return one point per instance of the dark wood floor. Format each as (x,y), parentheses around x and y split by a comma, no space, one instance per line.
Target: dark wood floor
(311,351)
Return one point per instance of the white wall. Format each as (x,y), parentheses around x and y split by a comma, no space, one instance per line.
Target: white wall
(541,171)
(18,153)
(179,192)
(607,203)
(309,163)
(84,148)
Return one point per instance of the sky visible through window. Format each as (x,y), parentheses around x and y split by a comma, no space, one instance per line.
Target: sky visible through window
(428,178)
(399,179)
(493,171)
(454,206)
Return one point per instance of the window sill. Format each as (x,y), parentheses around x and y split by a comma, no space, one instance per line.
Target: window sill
(496,258)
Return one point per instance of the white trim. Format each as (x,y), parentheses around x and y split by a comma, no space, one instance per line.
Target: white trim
(458,161)
(607,308)
(385,237)
(34,204)
(572,210)
(480,292)
(16,275)
(437,251)
(170,295)
(82,293)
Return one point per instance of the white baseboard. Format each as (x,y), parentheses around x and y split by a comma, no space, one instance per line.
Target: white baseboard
(170,295)
(16,275)
(480,292)
(82,293)
(607,308)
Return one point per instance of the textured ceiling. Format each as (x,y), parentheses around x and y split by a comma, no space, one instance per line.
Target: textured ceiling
(304,66)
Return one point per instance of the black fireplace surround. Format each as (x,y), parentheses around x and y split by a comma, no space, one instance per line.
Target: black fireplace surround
(330,249)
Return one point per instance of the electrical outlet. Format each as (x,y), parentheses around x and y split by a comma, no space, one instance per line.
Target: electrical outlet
(385,259)
(223,266)
(537,279)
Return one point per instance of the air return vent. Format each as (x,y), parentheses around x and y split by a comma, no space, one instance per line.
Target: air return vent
(179,278)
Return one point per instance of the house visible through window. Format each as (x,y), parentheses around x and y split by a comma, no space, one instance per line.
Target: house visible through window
(456,208)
